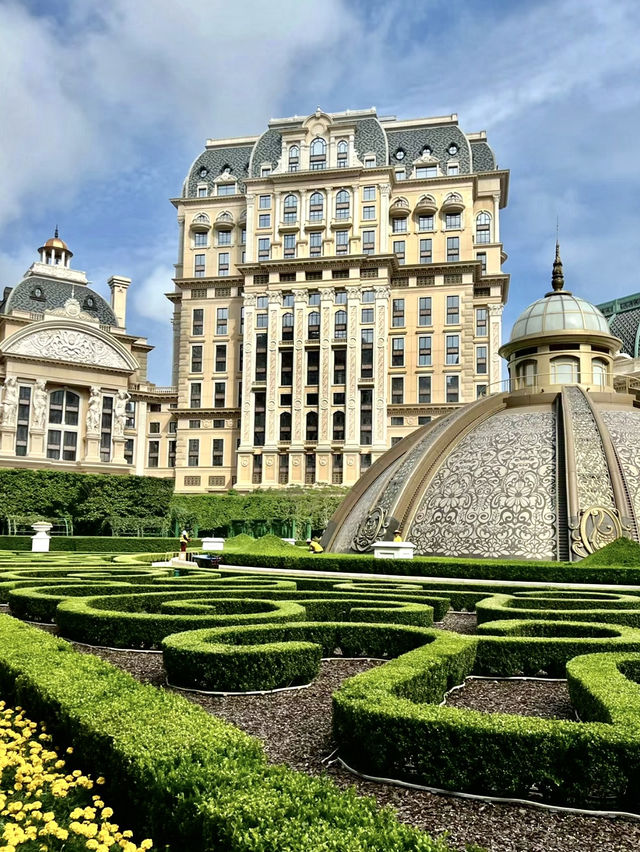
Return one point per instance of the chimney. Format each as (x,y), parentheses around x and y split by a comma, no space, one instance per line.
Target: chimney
(118,286)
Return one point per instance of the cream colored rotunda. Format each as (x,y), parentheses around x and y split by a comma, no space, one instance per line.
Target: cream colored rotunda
(548,468)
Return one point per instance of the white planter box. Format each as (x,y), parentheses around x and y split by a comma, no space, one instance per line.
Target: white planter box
(41,540)
(393,550)
(212,544)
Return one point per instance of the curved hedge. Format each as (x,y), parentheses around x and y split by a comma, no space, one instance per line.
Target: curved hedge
(562,606)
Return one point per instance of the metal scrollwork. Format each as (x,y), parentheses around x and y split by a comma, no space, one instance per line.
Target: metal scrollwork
(598,526)
(372,529)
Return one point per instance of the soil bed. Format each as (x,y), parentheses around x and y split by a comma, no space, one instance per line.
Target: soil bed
(545,699)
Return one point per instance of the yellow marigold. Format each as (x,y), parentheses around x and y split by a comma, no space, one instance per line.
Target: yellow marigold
(106,813)
(146,844)
(100,780)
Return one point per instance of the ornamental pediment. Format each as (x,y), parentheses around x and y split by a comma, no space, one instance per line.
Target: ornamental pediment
(76,343)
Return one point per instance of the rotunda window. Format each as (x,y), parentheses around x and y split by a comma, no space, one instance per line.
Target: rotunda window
(526,372)
(565,371)
(599,372)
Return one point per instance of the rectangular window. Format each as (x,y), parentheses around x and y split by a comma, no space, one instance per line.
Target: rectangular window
(425,223)
(453,310)
(196,359)
(261,358)
(397,351)
(203,192)
(452,221)
(286,368)
(313,366)
(171,454)
(481,390)
(397,421)
(481,360)
(195,400)
(453,249)
(336,468)
(217,452)
(342,242)
(397,390)
(366,353)
(153,453)
(264,248)
(262,302)
(399,226)
(194,452)
(368,296)
(219,394)
(397,319)
(224,238)
(226,189)
(452,349)
(264,220)
(424,389)
(256,476)
(482,257)
(309,468)
(197,322)
(401,174)
(339,398)
(154,427)
(367,315)
(366,417)
(193,424)
(198,266)
(289,244)
(265,202)
(369,211)
(424,311)
(368,242)
(452,385)
(424,351)
(24,410)
(423,419)
(399,250)
(368,193)
(339,366)
(426,253)
(453,169)
(130,408)
(426,171)
(481,322)
(315,243)
(173,427)
(200,239)
(106,425)
(128,450)
(283,469)
(223,263)
(222,318)
(220,365)
(260,401)
(243,236)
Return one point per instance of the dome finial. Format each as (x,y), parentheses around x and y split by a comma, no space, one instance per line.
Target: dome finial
(56,235)
(557,276)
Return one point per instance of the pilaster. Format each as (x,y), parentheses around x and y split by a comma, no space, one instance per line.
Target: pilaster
(385,191)
(299,336)
(271,427)
(251,229)
(495,338)
(326,334)
(353,369)
(380,373)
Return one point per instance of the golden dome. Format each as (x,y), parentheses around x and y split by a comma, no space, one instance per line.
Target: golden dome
(57,245)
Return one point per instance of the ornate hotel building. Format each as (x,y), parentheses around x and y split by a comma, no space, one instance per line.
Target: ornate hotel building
(339,282)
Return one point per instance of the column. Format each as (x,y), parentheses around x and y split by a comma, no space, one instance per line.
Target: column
(495,237)
(495,339)
(323,450)
(380,372)
(140,439)
(385,190)
(270,449)
(296,453)
(250,247)
(329,211)
(245,450)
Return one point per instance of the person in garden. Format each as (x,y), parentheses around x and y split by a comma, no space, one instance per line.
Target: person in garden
(315,546)
(184,541)
(397,536)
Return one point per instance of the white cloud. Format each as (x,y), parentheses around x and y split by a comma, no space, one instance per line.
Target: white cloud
(147,295)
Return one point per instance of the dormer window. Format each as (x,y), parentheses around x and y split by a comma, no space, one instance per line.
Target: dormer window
(89,304)
(426,171)
(226,189)
(370,161)
(453,169)
(294,158)
(343,153)
(203,190)
(318,154)
(38,293)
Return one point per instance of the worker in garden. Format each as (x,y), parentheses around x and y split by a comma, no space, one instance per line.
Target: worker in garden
(397,536)
(184,541)
(315,546)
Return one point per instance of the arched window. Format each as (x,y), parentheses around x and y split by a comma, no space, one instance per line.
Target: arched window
(285,426)
(311,432)
(62,431)
(287,326)
(343,153)
(294,158)
(338,426)
(313,325)
(316,207)
(565,371)
(318,154)
(343,204)
(483,228)
(340,324)
(290,206)
(526,372)
(599,371)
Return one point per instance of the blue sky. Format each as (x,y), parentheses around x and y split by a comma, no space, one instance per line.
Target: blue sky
(105,105)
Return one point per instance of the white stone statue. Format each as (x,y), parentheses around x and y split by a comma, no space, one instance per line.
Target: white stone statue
(120,413)
(94,410)
(10,402)
(40,401)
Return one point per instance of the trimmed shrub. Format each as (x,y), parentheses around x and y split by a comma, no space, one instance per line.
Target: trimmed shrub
(562,606)
(96,544)
(622,551)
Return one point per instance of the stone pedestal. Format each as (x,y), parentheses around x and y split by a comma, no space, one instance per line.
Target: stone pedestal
(92,448)
(393,550)
(37,447)
(8,440)
(269,467)
(118,450)
(41,540)
(212,544)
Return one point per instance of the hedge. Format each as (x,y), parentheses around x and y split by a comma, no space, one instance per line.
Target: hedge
(258,657)
(605,687)
(427,566)
(388,723)
(625,609)
(178,774)
(97,544)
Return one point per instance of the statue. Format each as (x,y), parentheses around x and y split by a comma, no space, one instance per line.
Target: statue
(10,402)
(94,410)
(40,400)
(120,413)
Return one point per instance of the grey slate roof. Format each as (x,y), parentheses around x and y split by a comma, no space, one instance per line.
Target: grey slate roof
(625,326)
(214,160)
(54,295)
(438,138)
(482,157)
(268,149)
(370,137)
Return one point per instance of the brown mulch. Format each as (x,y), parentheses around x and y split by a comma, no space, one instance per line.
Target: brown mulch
(295,728)
(545,699)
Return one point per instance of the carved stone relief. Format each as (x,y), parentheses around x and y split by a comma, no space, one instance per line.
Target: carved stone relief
(624,430)
(592,470)
(64,344)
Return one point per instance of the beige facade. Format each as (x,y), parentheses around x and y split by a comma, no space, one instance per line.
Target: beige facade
(338,284)
(74,389)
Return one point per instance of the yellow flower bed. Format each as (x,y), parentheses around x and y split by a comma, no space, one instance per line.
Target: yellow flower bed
(43,805)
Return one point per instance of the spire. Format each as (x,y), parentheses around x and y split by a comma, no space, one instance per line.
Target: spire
(557,276)
(56,235)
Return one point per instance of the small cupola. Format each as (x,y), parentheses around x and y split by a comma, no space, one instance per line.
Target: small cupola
(560,340)
(55,252)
